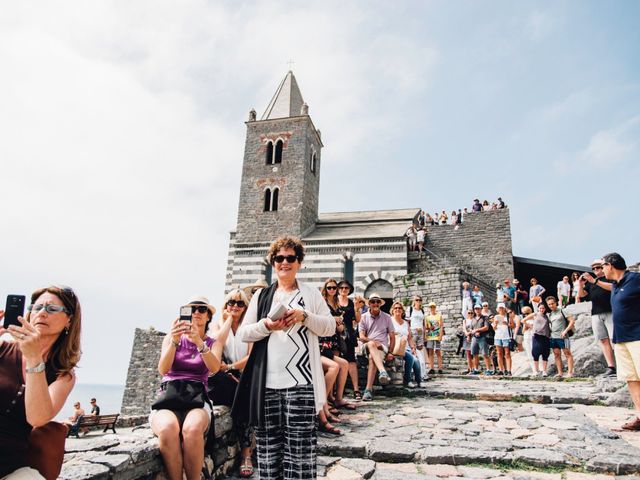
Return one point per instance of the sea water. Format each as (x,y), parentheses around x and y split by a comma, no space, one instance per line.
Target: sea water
(108,398)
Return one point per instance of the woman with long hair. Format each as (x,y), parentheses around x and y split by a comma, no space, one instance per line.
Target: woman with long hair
(234,358)
(502,327)
(188,357)
(37,372)
(541,343)
(350,318)
(282,387)
(535,293)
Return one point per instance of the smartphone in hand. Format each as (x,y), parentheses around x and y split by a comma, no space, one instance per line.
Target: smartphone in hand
(185,313)
(14,308)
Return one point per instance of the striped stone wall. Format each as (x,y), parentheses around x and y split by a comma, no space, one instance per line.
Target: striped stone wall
(373,259)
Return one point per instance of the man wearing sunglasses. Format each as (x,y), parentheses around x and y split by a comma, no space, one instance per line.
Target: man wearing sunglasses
(625,307)
(599,294)
(377,333)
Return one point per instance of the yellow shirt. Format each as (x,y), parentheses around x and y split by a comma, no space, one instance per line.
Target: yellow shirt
(435,325)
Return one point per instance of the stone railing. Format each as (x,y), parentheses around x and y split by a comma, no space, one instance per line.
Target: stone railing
(134,454)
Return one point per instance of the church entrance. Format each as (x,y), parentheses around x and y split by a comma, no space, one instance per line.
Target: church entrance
(384,289)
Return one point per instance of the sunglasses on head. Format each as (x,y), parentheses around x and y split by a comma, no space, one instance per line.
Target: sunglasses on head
(199,309)
(50,308)
(288,258)
(237,303)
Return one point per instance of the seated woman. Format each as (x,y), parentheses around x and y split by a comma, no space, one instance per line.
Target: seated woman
(236,354)
(187,354)
(411,363)
(36,372)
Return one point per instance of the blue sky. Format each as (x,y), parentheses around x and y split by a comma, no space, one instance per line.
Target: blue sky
(124,133)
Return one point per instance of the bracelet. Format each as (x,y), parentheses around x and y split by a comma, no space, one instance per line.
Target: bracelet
(37,369)
(175,344)
(204,349)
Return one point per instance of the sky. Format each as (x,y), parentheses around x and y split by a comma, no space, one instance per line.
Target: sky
(123,136)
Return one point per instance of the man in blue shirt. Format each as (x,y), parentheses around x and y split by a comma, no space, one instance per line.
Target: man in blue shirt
(625,305)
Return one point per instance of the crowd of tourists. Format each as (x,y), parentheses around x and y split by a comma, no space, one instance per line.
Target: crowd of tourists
(417,232)
(281,355)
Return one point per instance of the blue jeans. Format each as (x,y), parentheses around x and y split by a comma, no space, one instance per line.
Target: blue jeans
(411,363)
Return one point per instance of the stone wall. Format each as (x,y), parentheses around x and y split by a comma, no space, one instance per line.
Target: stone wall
(442,287)
(481,246)
(143,378)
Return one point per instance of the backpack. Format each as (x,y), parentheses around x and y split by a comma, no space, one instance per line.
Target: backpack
(411,310)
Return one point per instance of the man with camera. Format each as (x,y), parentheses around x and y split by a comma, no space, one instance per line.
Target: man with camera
(601,316)
(625,306)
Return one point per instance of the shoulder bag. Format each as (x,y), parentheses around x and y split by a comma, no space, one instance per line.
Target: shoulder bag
(180,395)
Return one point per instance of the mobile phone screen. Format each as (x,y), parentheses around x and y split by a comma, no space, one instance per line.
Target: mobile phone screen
(185,313)
(13,309)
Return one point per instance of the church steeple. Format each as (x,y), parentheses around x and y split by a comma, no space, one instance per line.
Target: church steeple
(287,101)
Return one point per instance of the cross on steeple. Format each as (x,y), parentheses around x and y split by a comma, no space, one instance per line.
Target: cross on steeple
(290,63)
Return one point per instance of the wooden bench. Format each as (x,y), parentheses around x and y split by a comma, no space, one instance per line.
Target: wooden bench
(88,421)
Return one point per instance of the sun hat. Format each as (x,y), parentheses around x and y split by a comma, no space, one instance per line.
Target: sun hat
(375,296)
(485,304)
(199,300)
(597,261)
(501,305)
(477,306)
(432,304)
(348,283)
(251,289)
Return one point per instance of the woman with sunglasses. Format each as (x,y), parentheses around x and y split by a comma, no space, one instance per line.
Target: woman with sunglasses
(37,372)
(234,358)
(282,387)
(351,318)
(187,354)
(402,330)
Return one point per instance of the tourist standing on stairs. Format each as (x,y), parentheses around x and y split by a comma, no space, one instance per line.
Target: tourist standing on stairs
(435,331)
(477,295)
(467,327)
(601,317)
(479,344)
(411,235)
(535,293)
(378,336)
(625,306)
(467,299)
(415,312)
(502,326)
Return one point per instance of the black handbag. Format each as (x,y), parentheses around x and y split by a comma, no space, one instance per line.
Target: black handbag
(180,395)
(222,387)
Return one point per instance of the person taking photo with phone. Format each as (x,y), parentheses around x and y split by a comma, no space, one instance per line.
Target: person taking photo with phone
(37,373)
(183,410)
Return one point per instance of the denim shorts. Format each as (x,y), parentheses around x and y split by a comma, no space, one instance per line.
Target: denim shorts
(501,342)
(479,346)
(432,345)
(560,343)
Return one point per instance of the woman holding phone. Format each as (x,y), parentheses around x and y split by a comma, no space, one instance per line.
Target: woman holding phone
(282,388)
(37,372)
(187,355)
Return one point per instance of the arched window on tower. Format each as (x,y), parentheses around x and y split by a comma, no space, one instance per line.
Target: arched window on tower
(269,156)
(278,154)
(313,162)
(348,270)
(267,200)
(271,199)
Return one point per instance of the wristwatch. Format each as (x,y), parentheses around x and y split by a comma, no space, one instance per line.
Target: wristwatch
(37,369)
(305,315)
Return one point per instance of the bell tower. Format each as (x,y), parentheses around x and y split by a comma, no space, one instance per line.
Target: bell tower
(281,169)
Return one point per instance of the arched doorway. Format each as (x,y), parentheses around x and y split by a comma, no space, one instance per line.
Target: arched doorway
(382,288)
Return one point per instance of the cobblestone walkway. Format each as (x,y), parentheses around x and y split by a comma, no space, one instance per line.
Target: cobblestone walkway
(426,437)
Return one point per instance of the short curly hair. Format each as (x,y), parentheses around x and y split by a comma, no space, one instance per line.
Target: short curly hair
(286,242)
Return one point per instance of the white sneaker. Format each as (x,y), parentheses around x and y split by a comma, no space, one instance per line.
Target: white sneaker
(411,385)
(421,385)
(544,374)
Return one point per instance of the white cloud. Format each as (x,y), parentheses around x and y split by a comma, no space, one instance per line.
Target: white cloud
(612,146)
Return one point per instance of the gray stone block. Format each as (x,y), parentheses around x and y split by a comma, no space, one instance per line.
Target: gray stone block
(115,462)
(364,467)
(618,463)
(540,458)
(90,444)
(391,451)
(138,453)
(84,471)
(435,455)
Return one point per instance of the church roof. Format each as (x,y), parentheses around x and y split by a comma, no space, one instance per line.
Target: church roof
(356,225)
(287,101)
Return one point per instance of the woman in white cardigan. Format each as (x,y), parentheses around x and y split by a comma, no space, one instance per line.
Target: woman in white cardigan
(282,387)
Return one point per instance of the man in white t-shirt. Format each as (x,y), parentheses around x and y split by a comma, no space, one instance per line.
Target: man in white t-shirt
(564,291)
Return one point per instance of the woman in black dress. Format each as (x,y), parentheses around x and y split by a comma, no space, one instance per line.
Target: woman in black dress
(350,319)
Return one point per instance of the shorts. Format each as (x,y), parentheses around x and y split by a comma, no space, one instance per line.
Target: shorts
(364,351)
(501,342)
(561,343)
(628,361)
(602,325)
(432,345)
(479,346)
(466,343)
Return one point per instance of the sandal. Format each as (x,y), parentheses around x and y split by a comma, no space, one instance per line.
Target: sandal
(331,418)
(357,395)
(246,467)
(326,427)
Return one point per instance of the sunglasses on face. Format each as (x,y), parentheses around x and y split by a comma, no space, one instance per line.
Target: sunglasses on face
(344,288)
(238,303)
(332,287)
(199,309)
(288,258)
(596,268)
(47,308)
(374,302)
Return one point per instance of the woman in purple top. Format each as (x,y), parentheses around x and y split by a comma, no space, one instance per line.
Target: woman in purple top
(187,354)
